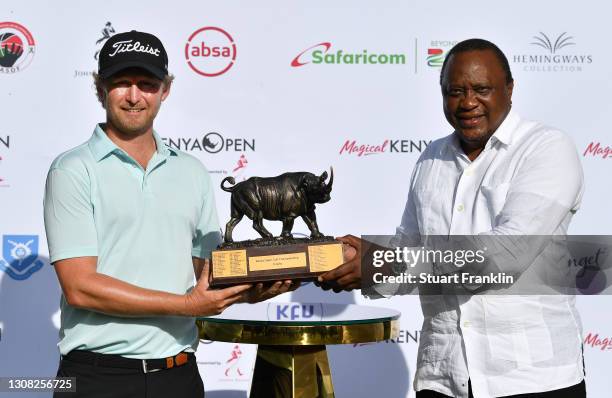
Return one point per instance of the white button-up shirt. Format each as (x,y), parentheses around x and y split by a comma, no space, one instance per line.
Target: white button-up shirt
(527,181)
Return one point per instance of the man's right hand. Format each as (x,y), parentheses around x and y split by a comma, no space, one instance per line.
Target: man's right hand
(348,275)
(202,301)
(85,288)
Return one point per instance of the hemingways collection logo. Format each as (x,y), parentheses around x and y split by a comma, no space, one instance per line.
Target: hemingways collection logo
(437,50)
(106,32)
(595,149)
(20,256)
(210,51)
(353,147)
(17,47)
(323,54)
(554,54)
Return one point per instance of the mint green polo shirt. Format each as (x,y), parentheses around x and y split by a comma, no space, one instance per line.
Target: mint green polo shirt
(143,225)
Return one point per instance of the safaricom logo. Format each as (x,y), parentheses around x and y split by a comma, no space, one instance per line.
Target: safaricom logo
(322,53)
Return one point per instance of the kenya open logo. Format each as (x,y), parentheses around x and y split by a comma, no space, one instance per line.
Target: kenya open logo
(17,47)
(210,51)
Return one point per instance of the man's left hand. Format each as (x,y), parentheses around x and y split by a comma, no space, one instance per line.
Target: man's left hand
(262,292)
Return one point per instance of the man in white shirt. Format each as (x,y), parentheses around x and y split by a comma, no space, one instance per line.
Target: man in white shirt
(496,174)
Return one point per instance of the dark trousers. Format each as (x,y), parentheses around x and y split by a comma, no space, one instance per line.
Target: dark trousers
(575,391)
(271,381)
(95,381)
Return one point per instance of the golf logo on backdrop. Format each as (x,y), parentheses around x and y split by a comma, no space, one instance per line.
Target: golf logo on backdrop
(210,51)
(436,52)
(212,142)
(241,164)
(20,256)
(107,32)
(233,363)
(17,47)
(553,54)
(322,54)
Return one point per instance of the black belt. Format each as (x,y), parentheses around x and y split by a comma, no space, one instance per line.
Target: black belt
(117,361)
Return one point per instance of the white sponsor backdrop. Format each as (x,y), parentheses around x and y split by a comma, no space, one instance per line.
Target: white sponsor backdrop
(275,117)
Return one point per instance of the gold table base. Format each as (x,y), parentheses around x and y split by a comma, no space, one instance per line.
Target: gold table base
(310,372)
(302,346)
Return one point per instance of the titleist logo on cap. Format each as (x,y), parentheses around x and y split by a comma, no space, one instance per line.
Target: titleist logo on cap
(128,46)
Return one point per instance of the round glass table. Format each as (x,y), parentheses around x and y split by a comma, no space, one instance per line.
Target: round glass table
(293,336)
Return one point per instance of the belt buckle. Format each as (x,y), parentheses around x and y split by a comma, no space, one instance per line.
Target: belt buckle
(146,369)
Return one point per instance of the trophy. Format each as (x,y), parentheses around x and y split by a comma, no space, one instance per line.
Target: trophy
(281,198)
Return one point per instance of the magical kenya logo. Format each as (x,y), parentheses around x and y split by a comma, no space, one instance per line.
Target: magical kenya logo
(353,147)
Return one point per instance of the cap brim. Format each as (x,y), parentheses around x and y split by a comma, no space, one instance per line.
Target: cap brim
(157,72)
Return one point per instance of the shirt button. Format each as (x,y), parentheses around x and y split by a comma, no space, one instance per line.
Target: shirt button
(468,172)
(460,208)
(467,324)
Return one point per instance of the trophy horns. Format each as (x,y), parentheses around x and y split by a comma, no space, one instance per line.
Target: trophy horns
(331,179)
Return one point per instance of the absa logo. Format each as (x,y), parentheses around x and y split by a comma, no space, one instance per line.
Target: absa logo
(210,51)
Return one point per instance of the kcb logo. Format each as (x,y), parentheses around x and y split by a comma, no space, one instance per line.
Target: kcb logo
(295,311)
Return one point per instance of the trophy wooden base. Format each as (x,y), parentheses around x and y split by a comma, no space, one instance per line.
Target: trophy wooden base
(274,259)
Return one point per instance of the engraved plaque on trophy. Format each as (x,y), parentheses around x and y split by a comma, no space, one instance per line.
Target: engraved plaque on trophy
(282,198)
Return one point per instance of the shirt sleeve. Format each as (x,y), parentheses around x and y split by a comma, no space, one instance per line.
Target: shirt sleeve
(546,189)
(406,234)
(69,218)
(207,233)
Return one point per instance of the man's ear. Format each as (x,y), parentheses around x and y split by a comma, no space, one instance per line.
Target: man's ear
(166,92)
(102,96)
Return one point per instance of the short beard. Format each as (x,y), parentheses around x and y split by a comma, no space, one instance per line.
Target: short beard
(127,129)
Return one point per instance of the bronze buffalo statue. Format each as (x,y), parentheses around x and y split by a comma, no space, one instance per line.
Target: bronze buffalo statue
(284,197)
